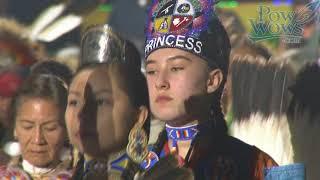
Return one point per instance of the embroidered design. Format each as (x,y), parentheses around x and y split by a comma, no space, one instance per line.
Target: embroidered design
(177,23)
(8,173)
(120,164)
(174,133)
(184,17)
(95,167)
(150,160)
(63,175)
(181,133)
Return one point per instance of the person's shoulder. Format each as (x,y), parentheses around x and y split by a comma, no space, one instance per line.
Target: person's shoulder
(236,144)
(264,159)
(261,162)
(253,157)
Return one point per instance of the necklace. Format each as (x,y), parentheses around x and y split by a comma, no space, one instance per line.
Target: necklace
(184,133)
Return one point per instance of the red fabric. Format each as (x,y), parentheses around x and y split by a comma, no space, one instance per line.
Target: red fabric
(9,83)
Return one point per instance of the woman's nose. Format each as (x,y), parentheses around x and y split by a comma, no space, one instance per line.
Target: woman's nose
(162,82)
(88,108)
(38,137)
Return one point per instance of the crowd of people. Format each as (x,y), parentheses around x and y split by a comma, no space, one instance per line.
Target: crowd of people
(230,108)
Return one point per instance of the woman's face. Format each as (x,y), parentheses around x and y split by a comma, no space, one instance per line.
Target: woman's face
(99,114)
(39,131)
(174,77)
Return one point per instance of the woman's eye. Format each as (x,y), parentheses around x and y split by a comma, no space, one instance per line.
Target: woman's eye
(51,127)
(102,101)
(73,103)
(174,69)
(150,72)
(27,127)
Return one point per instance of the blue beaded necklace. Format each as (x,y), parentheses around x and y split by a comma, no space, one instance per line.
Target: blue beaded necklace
(184,133)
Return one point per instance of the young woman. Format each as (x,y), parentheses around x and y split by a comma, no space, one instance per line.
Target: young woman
(187,53)
(107,96)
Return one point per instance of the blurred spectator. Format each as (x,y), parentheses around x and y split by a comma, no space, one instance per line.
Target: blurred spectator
(15,47)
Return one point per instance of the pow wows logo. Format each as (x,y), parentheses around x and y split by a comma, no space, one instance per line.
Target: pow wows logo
(286,25)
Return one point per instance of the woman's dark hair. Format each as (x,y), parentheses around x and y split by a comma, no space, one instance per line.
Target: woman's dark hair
(222,43)
(44,86)
(133,80)
(54,68)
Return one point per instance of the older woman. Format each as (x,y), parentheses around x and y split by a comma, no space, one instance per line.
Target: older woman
(38,112)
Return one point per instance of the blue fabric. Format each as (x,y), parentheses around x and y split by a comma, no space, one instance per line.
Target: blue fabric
(288,172)
(150,161)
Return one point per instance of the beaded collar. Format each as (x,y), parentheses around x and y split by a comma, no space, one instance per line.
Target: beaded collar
(183,133)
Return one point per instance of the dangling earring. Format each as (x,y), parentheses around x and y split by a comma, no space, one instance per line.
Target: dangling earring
(137,148)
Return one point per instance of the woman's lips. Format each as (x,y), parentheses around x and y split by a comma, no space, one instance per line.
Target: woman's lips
(38,151)
(163,99)
(77,135)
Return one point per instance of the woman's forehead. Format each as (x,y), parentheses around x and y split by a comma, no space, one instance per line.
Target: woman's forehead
(81,78)
(171,54)
(97,78)
(38,109)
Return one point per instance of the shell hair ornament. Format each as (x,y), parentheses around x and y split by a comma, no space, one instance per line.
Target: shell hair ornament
(101,44)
